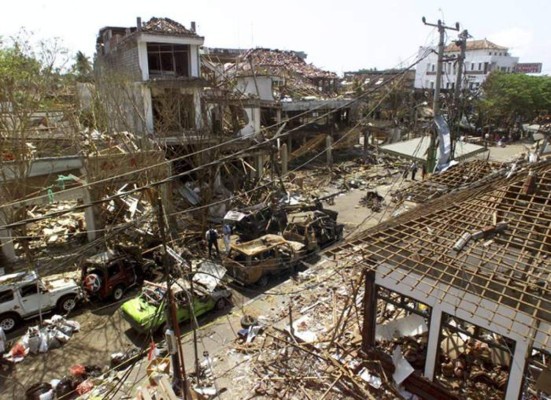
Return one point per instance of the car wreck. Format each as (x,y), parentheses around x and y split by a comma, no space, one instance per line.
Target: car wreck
(255,221)
(24,295)
(147,311)
(256,261)
(315,229)
(108,275)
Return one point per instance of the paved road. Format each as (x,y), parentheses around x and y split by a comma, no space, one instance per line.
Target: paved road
(103,332)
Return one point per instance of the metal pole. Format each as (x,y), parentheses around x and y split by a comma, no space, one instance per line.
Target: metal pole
(462,43)
(370,311)
(438,83)
(170,311)
(431,156)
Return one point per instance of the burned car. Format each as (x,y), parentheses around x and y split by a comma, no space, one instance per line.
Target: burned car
(147,312)
(256,261)
(253,222)
(111,273)
(315,229)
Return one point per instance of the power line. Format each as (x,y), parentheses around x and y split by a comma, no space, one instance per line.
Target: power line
(173,177)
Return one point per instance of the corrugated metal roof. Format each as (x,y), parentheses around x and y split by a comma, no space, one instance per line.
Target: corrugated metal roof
(416,149)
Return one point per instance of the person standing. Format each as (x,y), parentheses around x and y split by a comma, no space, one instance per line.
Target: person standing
(227,231)
(212,240)
(413,170)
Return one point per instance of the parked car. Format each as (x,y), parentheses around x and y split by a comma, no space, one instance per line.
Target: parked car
(315,229)
(256,261)
(24,295)
(147,311)
(111,273)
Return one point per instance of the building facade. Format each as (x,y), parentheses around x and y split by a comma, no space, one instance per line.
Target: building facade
(481,58)
(152,74)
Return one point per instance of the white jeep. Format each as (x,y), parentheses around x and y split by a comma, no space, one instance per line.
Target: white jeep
(24,295)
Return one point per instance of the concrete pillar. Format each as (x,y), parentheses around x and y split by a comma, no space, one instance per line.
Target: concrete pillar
(289,145)
(517,370)
(433,345)
(89,216)
(148,110)
(366,138)
(259,166)
(328,145)
(284,159)
(6,241)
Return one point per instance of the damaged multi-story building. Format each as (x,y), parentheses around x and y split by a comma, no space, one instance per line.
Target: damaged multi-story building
(158,66)
(282,88)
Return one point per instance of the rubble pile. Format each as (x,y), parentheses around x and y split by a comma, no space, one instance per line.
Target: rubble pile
(372,200)
(45,234)
(284,367)
(473,374)
(318,352)
(301,79)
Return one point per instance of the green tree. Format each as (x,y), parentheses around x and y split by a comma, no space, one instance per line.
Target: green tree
(508,98)
(82,68)
(36,103)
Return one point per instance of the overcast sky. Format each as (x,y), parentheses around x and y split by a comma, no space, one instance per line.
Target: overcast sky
(339,36)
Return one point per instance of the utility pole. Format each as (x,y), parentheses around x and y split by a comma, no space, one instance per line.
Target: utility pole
(462,44)
(431,157)
(177,380)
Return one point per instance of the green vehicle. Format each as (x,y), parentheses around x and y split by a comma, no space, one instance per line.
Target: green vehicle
(146,312)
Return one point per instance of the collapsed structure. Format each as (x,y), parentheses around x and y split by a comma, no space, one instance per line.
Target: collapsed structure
(478,263)
(456,291)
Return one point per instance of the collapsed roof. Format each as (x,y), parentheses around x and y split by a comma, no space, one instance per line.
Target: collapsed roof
(486,248)
(298,78)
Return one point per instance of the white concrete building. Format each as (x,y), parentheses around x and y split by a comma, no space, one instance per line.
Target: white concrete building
(160,67)
(481,58)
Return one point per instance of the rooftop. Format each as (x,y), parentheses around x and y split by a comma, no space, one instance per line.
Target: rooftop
(482,44)
(501,268)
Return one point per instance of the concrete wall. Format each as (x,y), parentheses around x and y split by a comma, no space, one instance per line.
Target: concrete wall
(260,86)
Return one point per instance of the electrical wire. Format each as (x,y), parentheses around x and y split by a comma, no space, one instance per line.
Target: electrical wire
(168,162)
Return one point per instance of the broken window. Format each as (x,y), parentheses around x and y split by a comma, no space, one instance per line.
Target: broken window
(537,376)
(473,359)
(168,59)
(403,321)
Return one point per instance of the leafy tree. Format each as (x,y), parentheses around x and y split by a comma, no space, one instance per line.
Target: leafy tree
(508,98)
(82,68)
(35,104)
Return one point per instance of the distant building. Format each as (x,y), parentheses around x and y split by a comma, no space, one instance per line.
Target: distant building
(481,58)
(371,78)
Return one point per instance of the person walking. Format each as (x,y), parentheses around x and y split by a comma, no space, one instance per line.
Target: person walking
(212,240)
(227,231)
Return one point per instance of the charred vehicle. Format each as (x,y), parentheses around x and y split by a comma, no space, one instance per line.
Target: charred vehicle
(256,261)
(253,222)
(315,229)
